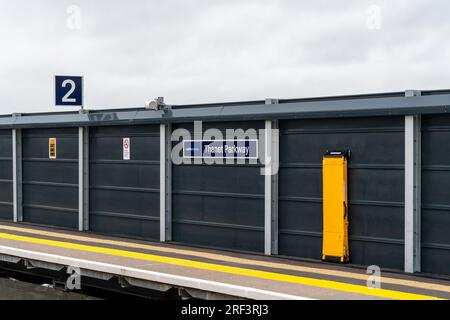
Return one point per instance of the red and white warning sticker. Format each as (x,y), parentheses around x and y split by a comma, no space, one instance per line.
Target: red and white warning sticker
(126,148)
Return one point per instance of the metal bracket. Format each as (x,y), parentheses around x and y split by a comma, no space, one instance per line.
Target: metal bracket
(32,264)
(96,275)
(413,93)
(9,259)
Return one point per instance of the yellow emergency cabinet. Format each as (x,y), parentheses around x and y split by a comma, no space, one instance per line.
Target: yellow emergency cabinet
(335,206)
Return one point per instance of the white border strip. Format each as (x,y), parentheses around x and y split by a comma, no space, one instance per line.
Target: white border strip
(181,281)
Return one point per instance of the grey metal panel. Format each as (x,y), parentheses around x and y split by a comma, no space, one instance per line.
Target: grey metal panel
(435,224)
(219,205)
(347,106)
(6,178)
(124,194)
(376,187)
(50,186)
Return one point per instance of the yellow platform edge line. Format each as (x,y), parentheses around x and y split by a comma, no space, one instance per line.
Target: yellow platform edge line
(226,258)
(328,284)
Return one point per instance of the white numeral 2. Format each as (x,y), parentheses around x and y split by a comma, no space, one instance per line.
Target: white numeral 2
(72,89)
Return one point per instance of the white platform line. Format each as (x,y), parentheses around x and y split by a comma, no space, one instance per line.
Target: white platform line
(175,280)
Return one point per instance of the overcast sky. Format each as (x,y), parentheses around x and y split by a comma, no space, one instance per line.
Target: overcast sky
(197,51)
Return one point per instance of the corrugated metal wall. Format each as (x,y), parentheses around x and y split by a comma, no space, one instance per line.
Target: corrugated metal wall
(50,186)
(376,187)
(222,205)
(219,205)
(6,177)
(124,194)
(436,194)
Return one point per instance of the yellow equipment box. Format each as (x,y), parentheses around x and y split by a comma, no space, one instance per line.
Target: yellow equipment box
(335,206)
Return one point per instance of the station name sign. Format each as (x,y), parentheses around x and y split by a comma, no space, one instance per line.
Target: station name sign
(221,149)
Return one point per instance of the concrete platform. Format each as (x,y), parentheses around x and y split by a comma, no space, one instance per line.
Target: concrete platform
(204,273)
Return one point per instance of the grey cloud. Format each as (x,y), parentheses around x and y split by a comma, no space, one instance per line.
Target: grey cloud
(205,51)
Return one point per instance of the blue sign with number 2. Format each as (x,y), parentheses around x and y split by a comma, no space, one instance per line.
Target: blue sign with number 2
(68,91)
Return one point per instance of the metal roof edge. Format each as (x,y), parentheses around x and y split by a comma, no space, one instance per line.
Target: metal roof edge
(368,106)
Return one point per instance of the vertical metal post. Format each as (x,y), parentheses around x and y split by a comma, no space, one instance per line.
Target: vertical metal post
(83,178)
(17,175)
(274,184)
(418,194)
(165,183)
(268,189)
(271,140)
(168,197)
(412,193)
(80,178)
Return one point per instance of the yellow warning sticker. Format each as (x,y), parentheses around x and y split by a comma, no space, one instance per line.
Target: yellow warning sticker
(52,148)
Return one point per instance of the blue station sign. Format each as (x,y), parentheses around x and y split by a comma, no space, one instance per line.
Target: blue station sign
(221,149)
(68,91)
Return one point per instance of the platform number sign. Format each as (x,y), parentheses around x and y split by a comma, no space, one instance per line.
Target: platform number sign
(126,148)
(52,148)
(69,91)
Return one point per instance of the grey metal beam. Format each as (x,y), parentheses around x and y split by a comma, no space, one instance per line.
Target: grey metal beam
(412,193)
(17,175)
(319,108)
(165,181)
(83,178)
